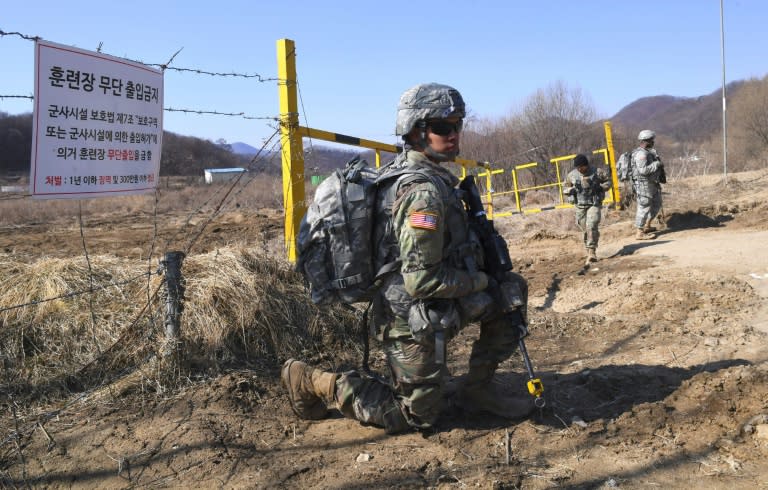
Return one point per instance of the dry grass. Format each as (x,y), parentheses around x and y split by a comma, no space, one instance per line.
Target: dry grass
(173,195)
(240,307)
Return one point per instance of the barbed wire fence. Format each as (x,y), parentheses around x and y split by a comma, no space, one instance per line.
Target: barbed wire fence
(145,317)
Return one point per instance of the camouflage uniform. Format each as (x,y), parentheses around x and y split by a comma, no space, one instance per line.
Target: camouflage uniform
(588,200)
(429,232)
(647,169)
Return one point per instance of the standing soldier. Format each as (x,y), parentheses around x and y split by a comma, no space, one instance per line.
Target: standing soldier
(586,187)
(437,290)
(648,175)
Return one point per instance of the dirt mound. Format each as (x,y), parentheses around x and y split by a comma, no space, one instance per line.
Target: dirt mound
(690,220)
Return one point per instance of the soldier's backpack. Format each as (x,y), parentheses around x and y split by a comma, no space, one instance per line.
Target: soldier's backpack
(336,253)
(624,166)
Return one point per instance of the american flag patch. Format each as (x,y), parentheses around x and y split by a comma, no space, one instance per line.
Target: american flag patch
(425,221)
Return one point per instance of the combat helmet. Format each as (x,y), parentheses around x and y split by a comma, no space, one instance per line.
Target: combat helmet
(427,101)
(646,134)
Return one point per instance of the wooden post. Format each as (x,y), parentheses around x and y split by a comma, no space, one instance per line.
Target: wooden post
(174,304)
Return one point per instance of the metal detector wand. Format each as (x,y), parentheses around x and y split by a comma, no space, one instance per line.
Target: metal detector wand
(535,386)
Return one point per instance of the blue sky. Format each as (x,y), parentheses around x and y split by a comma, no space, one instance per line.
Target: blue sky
(354,58)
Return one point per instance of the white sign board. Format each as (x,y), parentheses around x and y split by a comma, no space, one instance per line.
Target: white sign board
(97,124)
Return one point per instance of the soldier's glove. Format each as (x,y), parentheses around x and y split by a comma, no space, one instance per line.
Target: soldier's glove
(479,281)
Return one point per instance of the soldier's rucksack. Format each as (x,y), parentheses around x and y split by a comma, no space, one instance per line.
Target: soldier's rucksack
(336,253)
(624,166)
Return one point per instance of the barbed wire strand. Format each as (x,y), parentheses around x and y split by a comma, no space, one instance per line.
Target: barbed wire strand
(41,419)
(151,252)
(15,197)
(216,192)
(173,109)
(90,273)
(72,294)
(165,66)
(263,163)
(304,111)
(256,76)
(217,113)
(218,207)
(168,63)
(18,34)
(191,215)
(30,97)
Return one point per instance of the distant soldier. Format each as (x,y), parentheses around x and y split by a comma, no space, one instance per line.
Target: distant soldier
(586,187)
(648,175)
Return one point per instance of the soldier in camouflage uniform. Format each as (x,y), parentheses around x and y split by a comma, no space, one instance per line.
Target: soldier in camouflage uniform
(586,187)
(648,175)
(439,289)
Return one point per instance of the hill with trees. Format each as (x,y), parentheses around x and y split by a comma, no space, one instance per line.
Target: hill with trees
(554,121)
(693,119)
(182,155)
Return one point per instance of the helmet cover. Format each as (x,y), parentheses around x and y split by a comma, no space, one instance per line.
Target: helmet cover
(427,101)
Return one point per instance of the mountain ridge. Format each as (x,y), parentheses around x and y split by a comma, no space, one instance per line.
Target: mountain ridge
(693,119)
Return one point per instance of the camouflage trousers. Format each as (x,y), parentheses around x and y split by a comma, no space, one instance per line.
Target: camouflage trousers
(588,220)
(648,202)
(415,397)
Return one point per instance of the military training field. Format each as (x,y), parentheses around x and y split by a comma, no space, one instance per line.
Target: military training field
(654,360)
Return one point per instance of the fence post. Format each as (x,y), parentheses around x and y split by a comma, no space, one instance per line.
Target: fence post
(174,304)
(291,145)
(612,163)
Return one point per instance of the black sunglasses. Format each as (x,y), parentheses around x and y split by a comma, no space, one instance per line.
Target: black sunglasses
(443,127)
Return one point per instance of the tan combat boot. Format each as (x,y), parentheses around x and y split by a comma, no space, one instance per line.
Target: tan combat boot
(310,390)
(591,255)
(642,235)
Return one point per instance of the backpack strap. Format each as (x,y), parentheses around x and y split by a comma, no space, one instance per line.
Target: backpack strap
(345,282)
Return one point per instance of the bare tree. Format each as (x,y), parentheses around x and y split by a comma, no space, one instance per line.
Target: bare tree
(557,120)
(749,119)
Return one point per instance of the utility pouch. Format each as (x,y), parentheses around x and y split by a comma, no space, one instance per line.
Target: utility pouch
(432,321)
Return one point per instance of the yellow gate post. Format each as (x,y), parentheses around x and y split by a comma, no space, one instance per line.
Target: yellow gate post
(612,162)
(292,148)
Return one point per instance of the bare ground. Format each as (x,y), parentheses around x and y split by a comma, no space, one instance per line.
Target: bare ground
(653,362)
